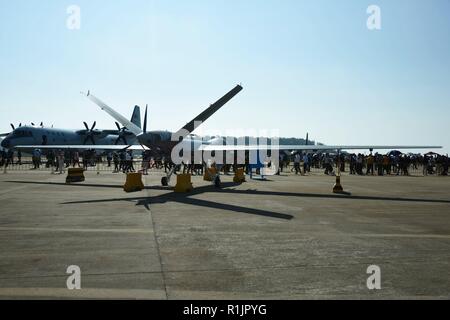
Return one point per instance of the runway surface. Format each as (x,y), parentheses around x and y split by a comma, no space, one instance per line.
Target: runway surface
(286,238)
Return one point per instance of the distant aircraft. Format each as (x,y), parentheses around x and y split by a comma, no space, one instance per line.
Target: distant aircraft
(162,142)
(32,137)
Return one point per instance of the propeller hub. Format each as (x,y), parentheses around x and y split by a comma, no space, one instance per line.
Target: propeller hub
(89,132)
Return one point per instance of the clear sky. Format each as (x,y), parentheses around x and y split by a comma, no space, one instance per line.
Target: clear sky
(306,66)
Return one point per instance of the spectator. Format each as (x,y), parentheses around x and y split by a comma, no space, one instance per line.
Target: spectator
(370,162)
(297,163)
(116,161)
(109,158)
(327,164)
(305,163)
(61,166)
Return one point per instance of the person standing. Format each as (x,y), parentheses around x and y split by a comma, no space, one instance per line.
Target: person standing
(85,159)
(386,165)
(370,161)
(2,157)
(131,162)
(36,158)
(116,161)
(61,166)
(122,164)
(281,159)
(19,157)
(359,164)
(327,163)
(305,163)
(9,158)
(425,165)
(109,158)
(76,159)
(352,163)
(445,165)
(145,163)
(379,160)
(297,163)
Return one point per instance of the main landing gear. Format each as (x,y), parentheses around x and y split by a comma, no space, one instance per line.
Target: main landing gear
(165,180)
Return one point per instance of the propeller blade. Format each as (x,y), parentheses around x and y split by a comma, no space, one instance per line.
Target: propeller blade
(145,119)
(12,126)
(124,140)
(117,141)
(85,125)
(93,125)
(117,125)
(32,124)
(20,124)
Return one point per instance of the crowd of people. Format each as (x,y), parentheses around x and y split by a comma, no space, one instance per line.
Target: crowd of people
(359,164)
(7,158)
(301,163)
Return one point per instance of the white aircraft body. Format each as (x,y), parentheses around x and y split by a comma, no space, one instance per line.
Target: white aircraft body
(40,137)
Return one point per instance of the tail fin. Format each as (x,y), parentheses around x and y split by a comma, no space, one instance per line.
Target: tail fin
(136,117)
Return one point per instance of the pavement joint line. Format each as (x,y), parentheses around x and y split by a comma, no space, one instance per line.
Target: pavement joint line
(365,263)
(155,236)
(401,235)
(84,275)
(111,293)
(37,229)
(93,293)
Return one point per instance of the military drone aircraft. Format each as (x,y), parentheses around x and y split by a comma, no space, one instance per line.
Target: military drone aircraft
(164,143)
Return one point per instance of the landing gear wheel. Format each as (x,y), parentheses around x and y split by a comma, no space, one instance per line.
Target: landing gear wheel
(217,182)
(164,181)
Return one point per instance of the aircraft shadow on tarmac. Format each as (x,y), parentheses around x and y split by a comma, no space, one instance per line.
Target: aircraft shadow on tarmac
(226,187)
(170,197)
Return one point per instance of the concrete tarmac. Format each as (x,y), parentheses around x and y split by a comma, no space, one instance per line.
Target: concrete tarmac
(286,238)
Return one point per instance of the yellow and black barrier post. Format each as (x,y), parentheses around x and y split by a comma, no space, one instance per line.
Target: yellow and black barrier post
(239,175)
(337,188)
(210,173)
(75,175)
(133,182)
(184,183)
